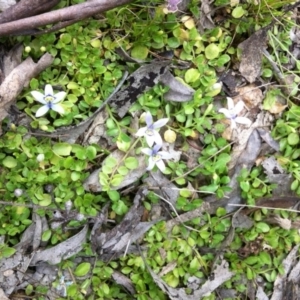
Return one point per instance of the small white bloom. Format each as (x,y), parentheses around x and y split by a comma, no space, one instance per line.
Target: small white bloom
(149,132)
(18,192)
(49,100)
(232,113)
(40,157)
(156,157)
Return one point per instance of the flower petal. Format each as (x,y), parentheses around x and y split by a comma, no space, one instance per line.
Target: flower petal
(160,123)
(150,139)
(233,124)
(226,112)
(157,138)
(151,163)
(39,97)
(161,165)
(148,119)
(165,155)
(141,131)
(48,90)
(42,110)
(230,103)
(147,151)
(156,148)
(239,107)
(59,97)
(243,120)
(58,108)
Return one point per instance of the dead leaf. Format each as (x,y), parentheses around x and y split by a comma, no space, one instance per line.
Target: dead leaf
(178,91)
(217,278)
(117,241)
(124,281)
(19,77)
(139,82)
(288,262)
(241,220)
(64,250)
(251,95)
(92,182)
(251,58)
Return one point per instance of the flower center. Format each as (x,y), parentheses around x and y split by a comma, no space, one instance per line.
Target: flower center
(233,115)
(149,132)
(49,98)
(156,157)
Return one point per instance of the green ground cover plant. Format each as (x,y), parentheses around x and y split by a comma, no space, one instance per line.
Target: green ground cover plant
(44,174)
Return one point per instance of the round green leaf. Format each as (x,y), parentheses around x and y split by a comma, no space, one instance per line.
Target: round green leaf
(113,195)
(46,235)
(96,43)
(131,163)
(82,269)
(9,162)
(212,51)
(62,149)
(7,252)
(91,152)
(263,227)
(191,75)
(117,180)
(238,12)
(139,52)
(75,176)
(293,138)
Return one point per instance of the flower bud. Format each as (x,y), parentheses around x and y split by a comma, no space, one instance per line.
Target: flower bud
(43,49)
(79,217)
(18,192)
(40,157)
(27,49)
(68,205)
(170,136)
(194,135)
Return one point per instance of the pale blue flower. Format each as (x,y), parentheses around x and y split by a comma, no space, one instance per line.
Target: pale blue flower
(156,157)
(49,100)
(149,132)
(232,113)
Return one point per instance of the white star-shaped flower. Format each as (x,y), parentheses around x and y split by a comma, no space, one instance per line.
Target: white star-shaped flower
(156,157)
(49,100)
(232,113)
(149,132)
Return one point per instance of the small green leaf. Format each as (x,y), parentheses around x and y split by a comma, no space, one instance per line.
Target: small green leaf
(263,227)
(62,149)
(9,162)
(131,163)
(75,176)
(119,207)
(113,195)
(46,235)
(139,52)
(212,51)
(82,269)
(91,152)
(123,170)
(245,186)
(110,162)
(191,75)
(238,12)
(293,138)
(96,43)
(45,200)
(7,252)
(117,180)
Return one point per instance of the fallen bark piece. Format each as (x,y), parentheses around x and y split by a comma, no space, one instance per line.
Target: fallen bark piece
(18,78)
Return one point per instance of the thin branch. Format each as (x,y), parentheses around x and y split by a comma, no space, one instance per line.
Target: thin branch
(75,12)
